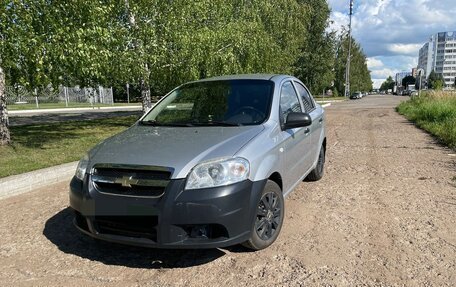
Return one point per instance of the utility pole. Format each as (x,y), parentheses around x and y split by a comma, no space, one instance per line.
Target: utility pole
(347,72)
(420,74)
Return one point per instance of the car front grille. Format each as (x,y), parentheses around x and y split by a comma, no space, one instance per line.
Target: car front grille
(130,226)
(135,181)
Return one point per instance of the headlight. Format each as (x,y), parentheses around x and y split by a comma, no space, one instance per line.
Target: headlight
(218,173)
(82,167)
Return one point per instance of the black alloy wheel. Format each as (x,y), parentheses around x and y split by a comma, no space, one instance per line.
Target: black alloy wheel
(318,172)
(268,218)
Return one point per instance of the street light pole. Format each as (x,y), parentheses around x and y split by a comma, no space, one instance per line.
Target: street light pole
(347,72)
(128,93)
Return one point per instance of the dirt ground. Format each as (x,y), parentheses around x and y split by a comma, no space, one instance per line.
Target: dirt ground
(383,215)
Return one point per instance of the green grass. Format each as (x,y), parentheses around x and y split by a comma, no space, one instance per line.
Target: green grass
(16,107)
(434,112)
(45,145)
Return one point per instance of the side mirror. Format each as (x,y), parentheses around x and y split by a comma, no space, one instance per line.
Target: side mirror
(297,120)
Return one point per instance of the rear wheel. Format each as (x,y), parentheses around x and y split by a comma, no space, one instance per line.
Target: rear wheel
(319,170)
(268,218)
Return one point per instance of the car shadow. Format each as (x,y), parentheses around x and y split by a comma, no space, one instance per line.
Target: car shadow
(59,229)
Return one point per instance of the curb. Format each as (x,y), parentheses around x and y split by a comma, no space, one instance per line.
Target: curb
(22,183)
(326,105)
(329,101)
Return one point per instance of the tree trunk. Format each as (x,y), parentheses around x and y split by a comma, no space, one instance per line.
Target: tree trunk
(5,137)
(145,97)
(145,90)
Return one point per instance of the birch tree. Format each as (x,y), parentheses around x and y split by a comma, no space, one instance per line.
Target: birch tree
(5,137)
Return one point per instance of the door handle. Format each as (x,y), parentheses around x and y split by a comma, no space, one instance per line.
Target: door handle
(307,130)
(320,120)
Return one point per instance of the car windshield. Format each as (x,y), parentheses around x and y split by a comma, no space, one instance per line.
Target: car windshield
(214,103)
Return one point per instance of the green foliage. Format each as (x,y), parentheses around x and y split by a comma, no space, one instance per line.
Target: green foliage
(360,79)
(161,44)
(316,61)
(434,113)
(435,81)
(387,84)
(438,85)
(56,43)
(409,80)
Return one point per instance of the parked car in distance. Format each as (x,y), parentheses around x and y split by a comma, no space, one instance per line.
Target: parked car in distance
(208,166)
(356,95)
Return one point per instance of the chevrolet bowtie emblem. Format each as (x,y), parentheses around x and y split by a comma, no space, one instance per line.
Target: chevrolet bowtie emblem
(127,181)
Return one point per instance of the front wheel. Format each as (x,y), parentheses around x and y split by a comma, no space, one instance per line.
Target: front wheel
(318,171)
(268,218)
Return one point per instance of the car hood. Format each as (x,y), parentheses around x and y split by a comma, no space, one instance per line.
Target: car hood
(179,148)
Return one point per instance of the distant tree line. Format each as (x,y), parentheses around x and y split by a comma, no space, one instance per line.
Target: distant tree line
(155,45)
(360,79)
(434,81)
(388,84)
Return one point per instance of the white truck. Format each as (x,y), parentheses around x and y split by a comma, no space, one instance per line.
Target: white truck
(410,89)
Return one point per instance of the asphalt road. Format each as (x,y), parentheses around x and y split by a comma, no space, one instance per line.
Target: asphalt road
(383,215)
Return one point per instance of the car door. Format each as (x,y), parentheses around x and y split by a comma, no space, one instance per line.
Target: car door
(296,143)
(315,112)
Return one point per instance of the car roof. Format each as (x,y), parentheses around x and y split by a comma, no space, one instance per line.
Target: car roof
(268,77)
(241,77)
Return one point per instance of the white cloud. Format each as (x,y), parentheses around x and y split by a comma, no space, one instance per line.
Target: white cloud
(380,76)
(338,20)
(404,49)
(391,32)
(374,63)
(376,83)
(384,73)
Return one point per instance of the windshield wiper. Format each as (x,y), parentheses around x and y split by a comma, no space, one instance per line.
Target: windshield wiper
(177,124)
(155,123)
(189,124)
(217,123)
(149,123)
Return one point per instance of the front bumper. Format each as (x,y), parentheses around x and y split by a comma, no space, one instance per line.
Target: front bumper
(204,218)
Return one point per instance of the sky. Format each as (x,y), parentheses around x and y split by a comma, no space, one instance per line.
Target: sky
(391,32)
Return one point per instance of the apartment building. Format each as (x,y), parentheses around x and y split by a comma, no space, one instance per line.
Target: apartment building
(400,76)
(439,55)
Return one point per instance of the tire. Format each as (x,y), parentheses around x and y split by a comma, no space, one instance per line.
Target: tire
(268,217)
(317,173)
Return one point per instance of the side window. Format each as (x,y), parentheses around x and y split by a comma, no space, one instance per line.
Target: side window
(289,101)
(306,98)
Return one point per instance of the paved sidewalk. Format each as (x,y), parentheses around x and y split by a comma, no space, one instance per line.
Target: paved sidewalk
(21,183)
(74,110)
